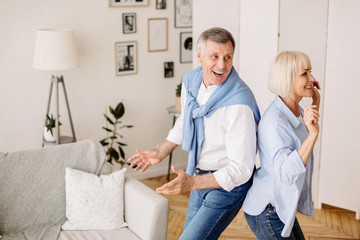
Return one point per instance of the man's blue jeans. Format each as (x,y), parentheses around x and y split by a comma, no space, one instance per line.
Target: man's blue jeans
(210,211)
(268,226)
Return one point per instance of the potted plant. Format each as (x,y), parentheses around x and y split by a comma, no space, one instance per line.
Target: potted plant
(114,150)
(48,129)
(178,97)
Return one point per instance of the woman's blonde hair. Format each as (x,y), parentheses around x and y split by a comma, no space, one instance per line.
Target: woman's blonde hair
(282,72)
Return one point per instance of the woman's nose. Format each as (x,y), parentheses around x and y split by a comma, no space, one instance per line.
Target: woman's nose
(311,78)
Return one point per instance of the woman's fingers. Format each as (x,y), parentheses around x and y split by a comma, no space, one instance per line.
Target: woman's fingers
(317,84)
(311,114)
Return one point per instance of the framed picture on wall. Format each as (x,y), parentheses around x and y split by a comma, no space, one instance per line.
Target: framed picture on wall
(168,69)
(160,4)
(129,23)
(183,13)
(157,34)
(186,46)
(125,58)
(128,3)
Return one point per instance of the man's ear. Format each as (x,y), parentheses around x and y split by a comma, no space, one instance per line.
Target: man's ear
(198,55)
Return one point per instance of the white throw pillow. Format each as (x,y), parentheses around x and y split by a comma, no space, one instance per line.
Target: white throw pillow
(94,202)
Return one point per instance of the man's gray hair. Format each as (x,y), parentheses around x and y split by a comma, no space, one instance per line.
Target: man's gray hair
(216,34)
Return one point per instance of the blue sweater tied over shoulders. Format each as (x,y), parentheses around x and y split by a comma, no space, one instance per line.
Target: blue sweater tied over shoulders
(231,92)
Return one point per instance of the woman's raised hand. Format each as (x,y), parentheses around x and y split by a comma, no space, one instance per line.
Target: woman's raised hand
(311,119)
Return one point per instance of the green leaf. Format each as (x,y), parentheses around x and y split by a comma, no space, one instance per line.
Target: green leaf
(112,111)
(109,120)
(129,126)
(113,153)
(113,137)
(119,110)
(107,129)
(121,144)
(103,142)
(122,153)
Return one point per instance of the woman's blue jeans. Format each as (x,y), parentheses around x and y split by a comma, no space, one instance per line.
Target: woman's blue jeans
(268,226)
(210,211)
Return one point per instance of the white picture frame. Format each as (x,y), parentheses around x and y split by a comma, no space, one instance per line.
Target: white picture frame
(125,58)
(186,47)
(183,13)
(128,3)
(157,34)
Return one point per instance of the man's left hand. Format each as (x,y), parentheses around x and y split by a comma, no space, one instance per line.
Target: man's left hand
(181,184)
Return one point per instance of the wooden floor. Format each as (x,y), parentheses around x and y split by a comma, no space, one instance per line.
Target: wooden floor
(329,223)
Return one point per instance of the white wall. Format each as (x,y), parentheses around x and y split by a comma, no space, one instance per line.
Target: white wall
(258,46)
(93,86)
(340,165)
(207,15)
(303,25)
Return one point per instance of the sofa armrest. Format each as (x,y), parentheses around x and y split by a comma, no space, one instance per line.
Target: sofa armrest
(146,212)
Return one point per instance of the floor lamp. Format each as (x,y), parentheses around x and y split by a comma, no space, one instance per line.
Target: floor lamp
(55,50)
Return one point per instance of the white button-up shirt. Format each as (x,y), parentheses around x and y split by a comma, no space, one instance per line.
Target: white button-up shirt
(230,140)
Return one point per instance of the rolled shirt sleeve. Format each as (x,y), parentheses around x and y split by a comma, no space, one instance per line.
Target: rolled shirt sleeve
(286,160)
(290,166)
(175,134)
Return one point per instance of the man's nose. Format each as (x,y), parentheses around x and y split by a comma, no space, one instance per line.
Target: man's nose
(221,63)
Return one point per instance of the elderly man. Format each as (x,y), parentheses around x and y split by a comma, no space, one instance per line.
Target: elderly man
(217,126)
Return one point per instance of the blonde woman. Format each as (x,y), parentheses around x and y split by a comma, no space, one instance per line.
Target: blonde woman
(286,136)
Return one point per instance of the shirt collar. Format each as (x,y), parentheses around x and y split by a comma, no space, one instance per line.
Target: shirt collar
(287,112)
(209,88)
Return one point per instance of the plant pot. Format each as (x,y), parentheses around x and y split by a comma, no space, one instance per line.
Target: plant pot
(47,135)
(178,103)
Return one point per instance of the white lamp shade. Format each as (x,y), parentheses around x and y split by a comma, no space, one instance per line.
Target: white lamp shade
(55,49)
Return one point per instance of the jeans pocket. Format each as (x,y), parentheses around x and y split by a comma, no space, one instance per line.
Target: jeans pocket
(252,222)
(276,224)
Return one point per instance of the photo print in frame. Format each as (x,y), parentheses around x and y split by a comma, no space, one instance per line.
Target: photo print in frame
(125,58)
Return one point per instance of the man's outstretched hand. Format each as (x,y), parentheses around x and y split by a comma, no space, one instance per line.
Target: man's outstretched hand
(181,184)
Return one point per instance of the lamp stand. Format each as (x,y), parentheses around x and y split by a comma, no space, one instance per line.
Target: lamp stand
(55,80)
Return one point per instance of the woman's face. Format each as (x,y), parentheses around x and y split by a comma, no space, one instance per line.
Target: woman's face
(303,83)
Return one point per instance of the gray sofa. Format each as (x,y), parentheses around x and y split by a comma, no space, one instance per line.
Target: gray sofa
(32,196)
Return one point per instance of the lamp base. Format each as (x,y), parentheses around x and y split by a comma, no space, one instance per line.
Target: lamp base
(56,131)
(63,140)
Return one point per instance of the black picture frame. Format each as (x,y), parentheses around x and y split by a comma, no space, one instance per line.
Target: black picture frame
(129,23)
(160,4)
(168,69)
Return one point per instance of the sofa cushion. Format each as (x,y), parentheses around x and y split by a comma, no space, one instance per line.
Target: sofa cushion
(119,234)
(32,196)
(94,202)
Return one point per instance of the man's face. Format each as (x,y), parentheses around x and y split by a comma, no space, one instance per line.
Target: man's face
(216,60)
